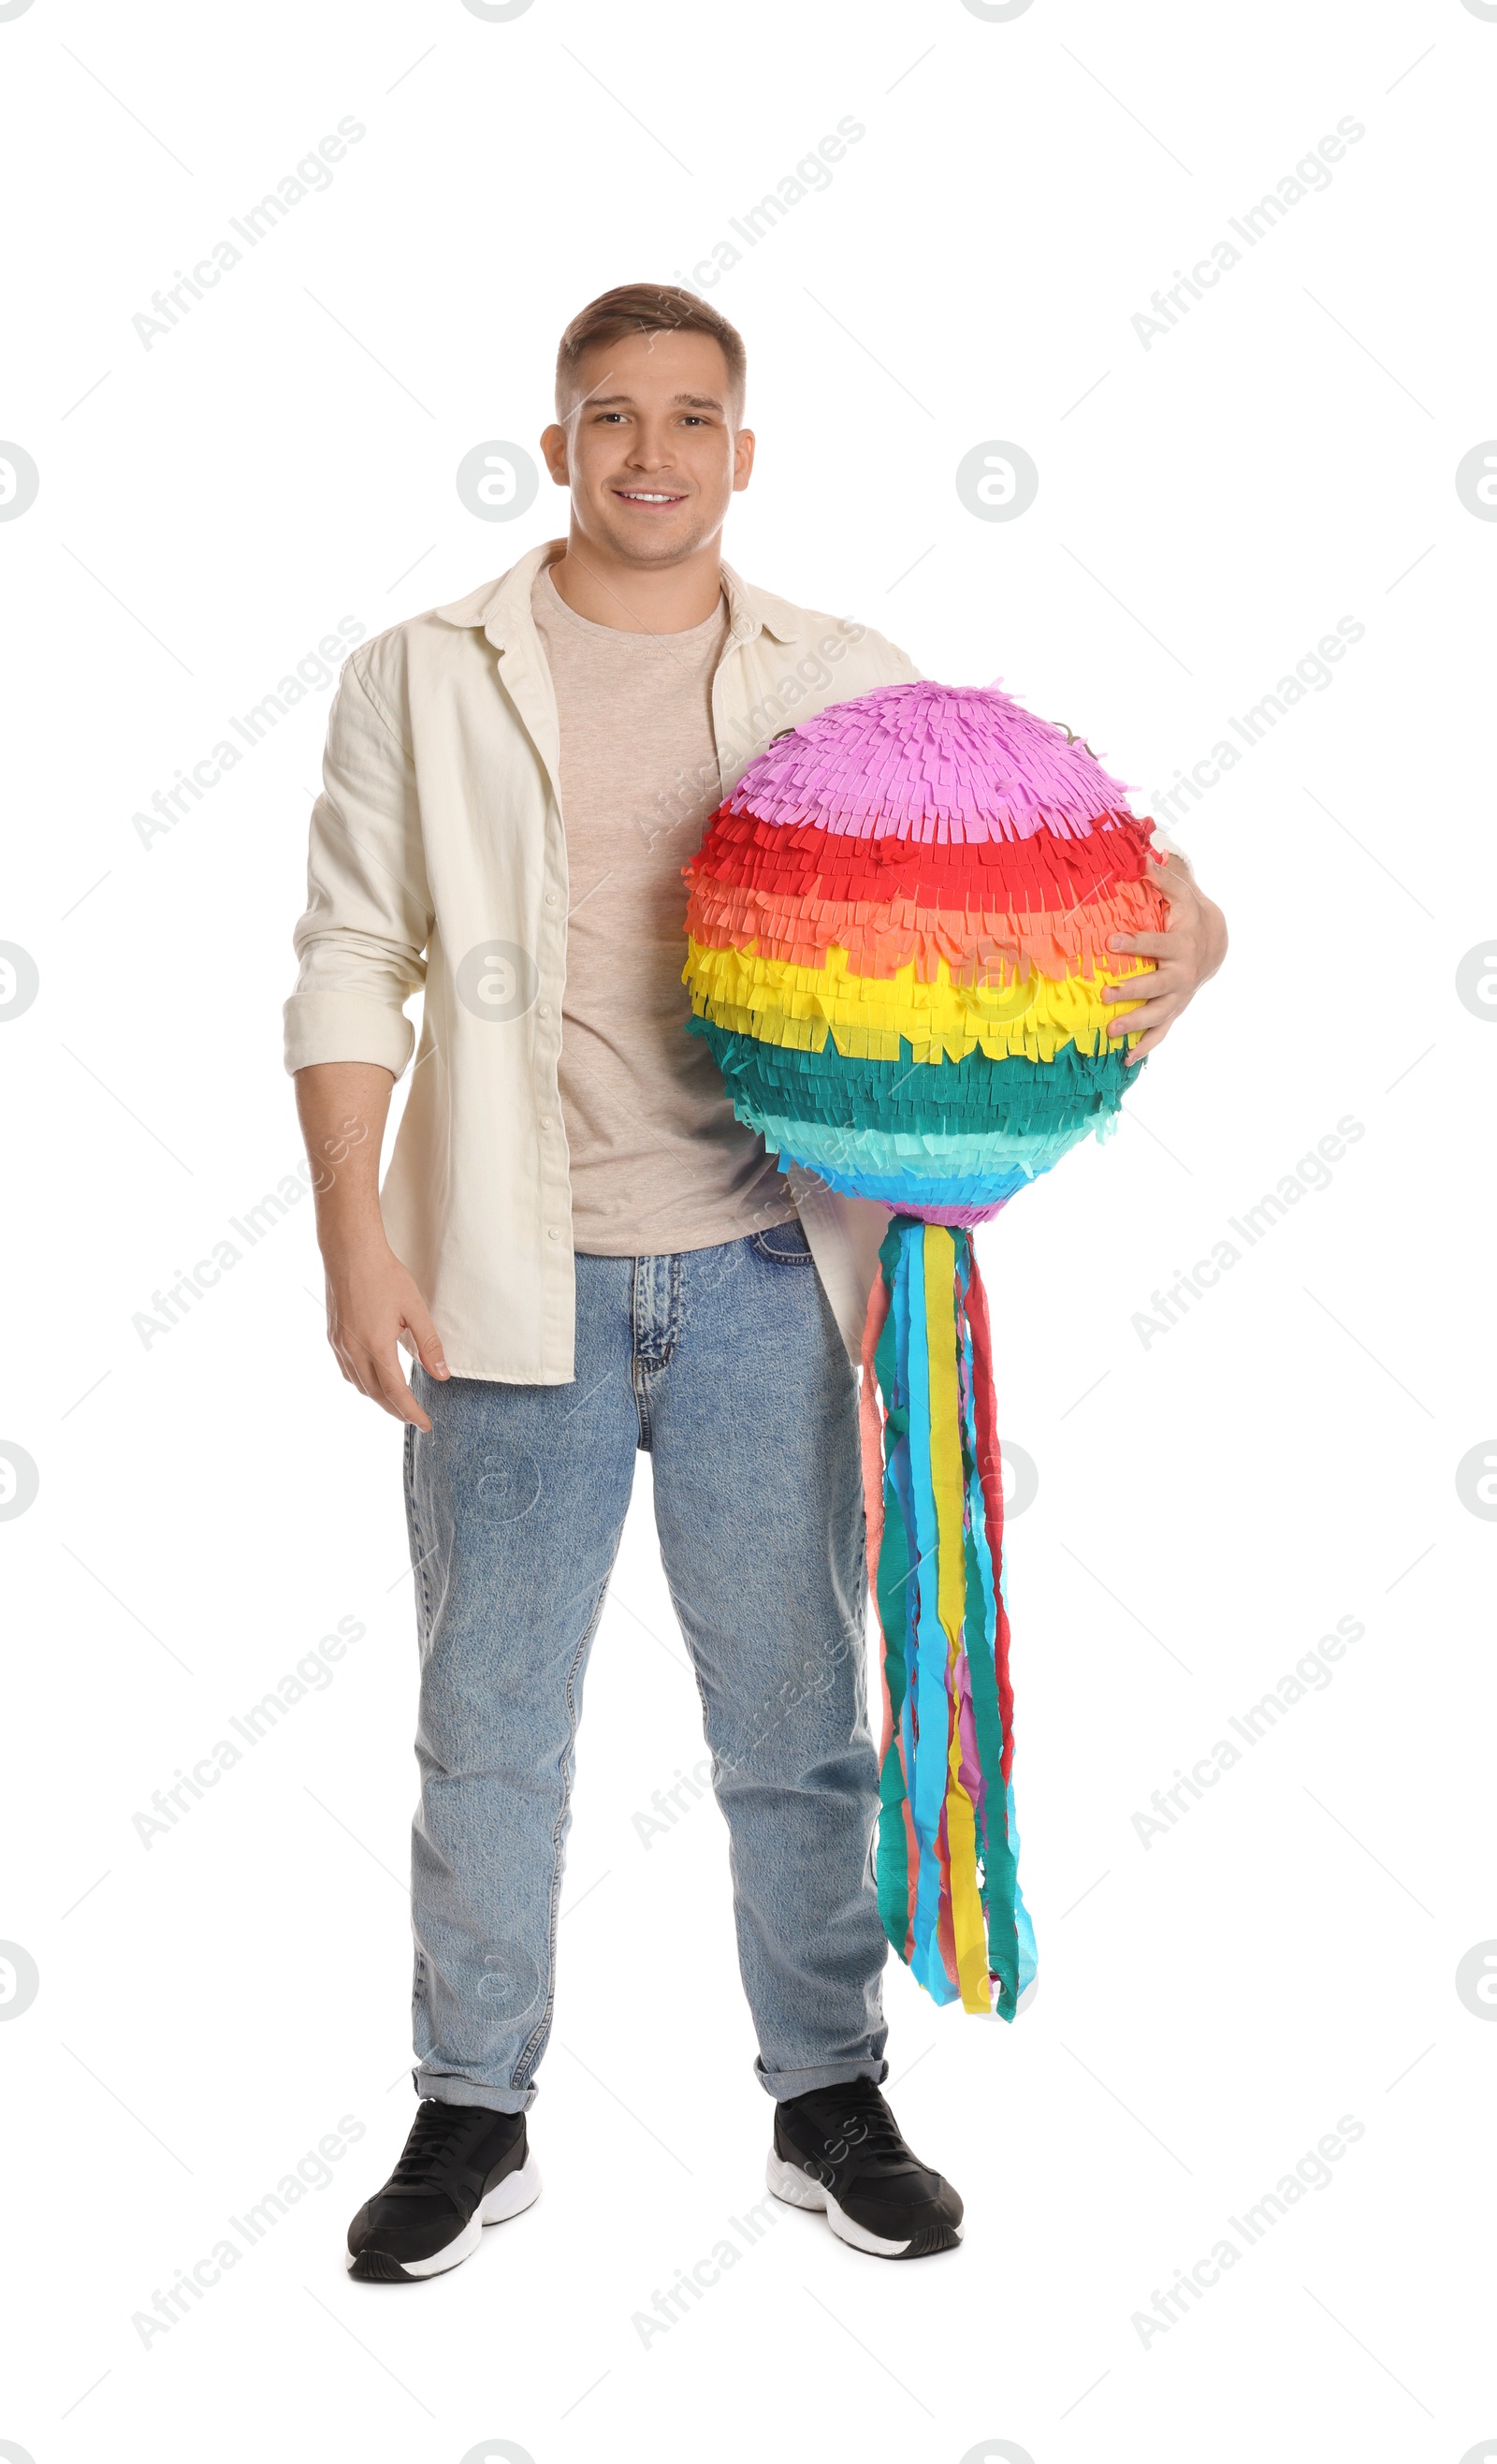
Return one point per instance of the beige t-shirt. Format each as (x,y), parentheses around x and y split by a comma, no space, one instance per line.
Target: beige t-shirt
(659,1162)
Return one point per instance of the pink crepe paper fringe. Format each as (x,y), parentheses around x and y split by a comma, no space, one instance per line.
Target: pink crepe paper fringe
(930,763)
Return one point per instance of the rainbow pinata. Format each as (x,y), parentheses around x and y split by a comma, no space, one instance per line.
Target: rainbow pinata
(898,935)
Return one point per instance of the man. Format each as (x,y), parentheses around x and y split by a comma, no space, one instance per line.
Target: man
(588,1255)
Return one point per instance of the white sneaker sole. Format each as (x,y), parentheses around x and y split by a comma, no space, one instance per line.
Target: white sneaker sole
(798,2189)
(507,2198)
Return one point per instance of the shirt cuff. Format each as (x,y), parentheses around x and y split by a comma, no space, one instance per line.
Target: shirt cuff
(345,1027)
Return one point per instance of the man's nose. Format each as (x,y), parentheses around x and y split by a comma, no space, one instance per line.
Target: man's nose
(650,449)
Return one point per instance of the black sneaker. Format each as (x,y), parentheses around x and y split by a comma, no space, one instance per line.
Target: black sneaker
(841,2149)
(462,2167)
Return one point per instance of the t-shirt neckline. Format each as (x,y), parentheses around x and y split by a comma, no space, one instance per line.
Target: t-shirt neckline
(690,635)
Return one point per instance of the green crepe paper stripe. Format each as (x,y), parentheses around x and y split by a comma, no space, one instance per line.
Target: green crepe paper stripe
(948,1097)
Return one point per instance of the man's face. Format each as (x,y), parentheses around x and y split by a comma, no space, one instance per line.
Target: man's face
(649,451)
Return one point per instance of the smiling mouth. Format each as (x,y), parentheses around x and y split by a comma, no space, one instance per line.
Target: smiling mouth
(648,497)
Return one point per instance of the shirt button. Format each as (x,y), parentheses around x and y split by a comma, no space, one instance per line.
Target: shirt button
(545,1010)
(552,1232)
(545,1120)
(550,897)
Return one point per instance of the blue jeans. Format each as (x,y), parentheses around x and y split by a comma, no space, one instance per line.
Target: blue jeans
(726,1366)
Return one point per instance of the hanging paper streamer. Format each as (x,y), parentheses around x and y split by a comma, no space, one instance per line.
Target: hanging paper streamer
(899,935)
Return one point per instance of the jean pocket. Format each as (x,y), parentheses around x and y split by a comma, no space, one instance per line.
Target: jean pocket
(784,1245)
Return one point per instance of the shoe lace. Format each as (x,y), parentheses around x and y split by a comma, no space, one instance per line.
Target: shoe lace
(856,2119)
(436,2141)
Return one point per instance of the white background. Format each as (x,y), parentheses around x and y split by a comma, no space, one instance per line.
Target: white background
(1211,2004)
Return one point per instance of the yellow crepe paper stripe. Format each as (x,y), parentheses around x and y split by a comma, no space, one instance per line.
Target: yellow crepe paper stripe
(781,1002)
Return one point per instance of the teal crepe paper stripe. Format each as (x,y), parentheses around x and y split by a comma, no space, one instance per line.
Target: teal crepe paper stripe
(1023,1927)
(921,1156)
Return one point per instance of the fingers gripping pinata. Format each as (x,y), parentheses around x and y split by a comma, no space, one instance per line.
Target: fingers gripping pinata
(898,937)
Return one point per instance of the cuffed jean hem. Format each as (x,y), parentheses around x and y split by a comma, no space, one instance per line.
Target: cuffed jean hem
(783,2084)
(448,2089)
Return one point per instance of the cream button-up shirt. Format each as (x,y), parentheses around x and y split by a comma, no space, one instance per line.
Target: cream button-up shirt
(438,865)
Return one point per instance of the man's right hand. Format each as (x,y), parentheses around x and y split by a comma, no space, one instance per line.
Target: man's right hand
(372,1303)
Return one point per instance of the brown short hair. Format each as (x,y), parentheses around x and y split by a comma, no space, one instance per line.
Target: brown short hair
(647,308)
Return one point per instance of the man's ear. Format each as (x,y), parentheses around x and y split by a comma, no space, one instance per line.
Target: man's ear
(553,447)
(742,458)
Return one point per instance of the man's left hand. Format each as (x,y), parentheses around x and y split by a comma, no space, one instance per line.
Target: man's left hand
(1191,948)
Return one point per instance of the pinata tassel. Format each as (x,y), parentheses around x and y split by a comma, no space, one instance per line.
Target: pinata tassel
(947,1857)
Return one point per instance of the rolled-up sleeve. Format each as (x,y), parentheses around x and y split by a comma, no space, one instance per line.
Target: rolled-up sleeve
(368,913)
